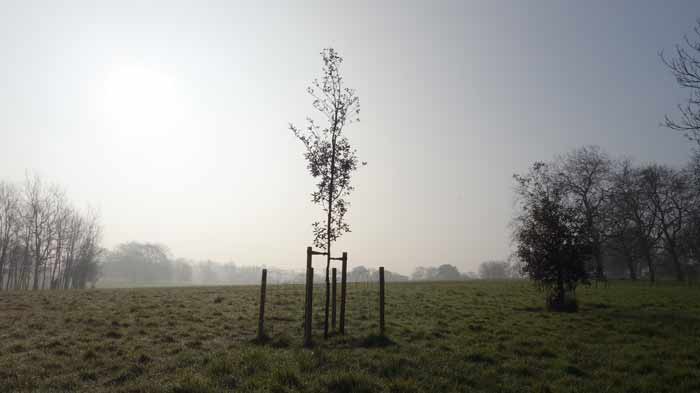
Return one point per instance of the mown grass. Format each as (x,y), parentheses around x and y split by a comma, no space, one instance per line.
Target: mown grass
(444,337)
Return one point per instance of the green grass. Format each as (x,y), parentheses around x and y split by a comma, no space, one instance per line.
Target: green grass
(447,337)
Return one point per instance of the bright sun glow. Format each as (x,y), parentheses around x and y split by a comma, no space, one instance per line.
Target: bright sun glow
(140,101)
(143,114)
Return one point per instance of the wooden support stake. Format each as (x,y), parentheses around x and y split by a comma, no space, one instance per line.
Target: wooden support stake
(261,317)
(309,253)
(381,300)
(309,306)
(343,286)
(333,297)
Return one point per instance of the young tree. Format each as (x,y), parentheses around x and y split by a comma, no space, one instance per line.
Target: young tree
(551,237)
(330,157)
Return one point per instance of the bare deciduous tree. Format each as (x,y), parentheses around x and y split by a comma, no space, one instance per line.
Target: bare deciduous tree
(9,210)
(632,205)
(623,241)
(671,197)
(685,67)
(585,176)
(44,242)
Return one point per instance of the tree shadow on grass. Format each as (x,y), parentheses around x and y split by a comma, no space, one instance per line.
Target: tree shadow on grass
(529,309)
(375,341)
(655,317)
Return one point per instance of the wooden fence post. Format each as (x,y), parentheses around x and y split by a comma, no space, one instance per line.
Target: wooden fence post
(309,305)
(381,300)
(343,284)
(335,279)
(261,317)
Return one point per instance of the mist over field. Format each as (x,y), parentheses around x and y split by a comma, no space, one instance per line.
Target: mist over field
(146,265)
(316,196)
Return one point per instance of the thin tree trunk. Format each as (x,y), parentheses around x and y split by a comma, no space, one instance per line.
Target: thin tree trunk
(56,265)
(328,237)
(11,273)
(676,263)
(68,270)
(3,256)
(650,264)
(35,285)
(43,275)
(26,266)
(599,269)
(560,289)
(632,269)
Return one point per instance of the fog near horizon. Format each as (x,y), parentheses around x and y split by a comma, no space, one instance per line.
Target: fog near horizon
(172,118)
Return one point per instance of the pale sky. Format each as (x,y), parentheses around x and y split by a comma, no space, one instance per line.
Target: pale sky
(171,118)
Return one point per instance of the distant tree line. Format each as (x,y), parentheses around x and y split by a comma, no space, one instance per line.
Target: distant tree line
(143,263)
(45,243)
(444,272)
(361,273)
(620,219)
(488,270)
(499,270)
(149,264)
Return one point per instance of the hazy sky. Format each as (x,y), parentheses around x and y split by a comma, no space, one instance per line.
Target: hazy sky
(171,118)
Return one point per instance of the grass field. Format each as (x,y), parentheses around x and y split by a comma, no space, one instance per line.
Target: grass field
(470,336)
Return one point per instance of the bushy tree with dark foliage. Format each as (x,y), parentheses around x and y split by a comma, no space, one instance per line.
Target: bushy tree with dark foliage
(552,243)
